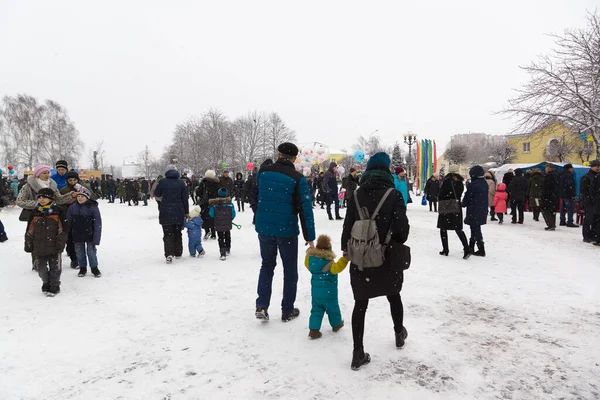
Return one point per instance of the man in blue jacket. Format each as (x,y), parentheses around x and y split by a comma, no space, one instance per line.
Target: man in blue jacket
(283,196)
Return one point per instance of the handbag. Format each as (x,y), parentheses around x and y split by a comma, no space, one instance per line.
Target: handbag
(424,200)
(450,206)
(25,215)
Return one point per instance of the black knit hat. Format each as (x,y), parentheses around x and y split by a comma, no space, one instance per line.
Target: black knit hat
(47,193)
(72,174)
(595,163)
(568,166)
(62,164)
(287,148)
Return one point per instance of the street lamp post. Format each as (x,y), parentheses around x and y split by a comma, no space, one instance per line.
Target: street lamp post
(410,139)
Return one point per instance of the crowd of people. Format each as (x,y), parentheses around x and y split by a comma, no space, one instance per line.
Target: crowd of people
(62,212)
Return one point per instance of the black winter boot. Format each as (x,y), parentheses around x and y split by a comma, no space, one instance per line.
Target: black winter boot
(444,237)
(359,358)
(472,245)
(401,337)
(82,272)
(480,249)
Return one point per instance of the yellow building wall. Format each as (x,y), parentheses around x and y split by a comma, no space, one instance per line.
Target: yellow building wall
(538,142)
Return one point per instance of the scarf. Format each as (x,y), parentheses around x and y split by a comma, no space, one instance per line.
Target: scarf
(47,209)
(374,179)
(43,184)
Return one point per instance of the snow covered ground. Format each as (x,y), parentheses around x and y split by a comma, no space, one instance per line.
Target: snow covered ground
(522,323)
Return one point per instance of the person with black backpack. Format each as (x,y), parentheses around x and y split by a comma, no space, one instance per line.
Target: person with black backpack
(376,200)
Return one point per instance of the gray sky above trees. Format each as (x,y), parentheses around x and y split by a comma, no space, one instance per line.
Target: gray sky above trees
(129,71)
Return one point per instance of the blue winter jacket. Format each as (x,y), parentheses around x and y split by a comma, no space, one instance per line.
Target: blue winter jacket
(324,284)
(194,227)
(175,199)
(84,222)
(283,196)
(61,180)
(402,187)
(476,198)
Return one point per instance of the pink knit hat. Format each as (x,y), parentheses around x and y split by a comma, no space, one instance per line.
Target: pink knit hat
(40,169)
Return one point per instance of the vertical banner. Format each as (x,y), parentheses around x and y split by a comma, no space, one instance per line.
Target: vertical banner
(417,167)
(435,157)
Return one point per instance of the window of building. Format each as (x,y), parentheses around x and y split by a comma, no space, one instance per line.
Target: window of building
(526,147)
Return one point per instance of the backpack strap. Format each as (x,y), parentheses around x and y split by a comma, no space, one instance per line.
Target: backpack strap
(361,214)
(385,196)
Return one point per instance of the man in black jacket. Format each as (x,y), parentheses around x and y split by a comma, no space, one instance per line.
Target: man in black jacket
(517,191)
(586,196)
(550,197)
(566,188)
(145,187)
(331,190)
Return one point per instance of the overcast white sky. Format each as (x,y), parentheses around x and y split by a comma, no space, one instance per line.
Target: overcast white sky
(129,70)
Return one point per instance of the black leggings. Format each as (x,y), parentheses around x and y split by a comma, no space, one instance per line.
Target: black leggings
(358,318)
(240,202)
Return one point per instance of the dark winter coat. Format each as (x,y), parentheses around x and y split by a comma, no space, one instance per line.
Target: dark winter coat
(239,188)
(432,189)
(223,211)
(208,189)
(111,186)
(319,185)
(330,186)
(226,182)
(585,188)
(71,188)
(352,185)
(476,198)
(46,231)
(248,187)
(174,205)
(550,196)
(388,278)
(518,188)
(145,187)
(535,185)
(283,197)
(454,221)
(507,178)
(595,193)
(566,185)
(85,223)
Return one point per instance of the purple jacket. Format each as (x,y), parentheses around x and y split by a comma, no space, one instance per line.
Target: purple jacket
(85,223)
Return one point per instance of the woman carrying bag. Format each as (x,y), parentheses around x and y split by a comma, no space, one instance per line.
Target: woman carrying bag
(450,216)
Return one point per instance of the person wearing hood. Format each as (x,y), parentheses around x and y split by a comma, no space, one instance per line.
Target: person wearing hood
(208,189)
(402,184)
(85,229)
(517,192)
(568,192)
(239,190)
(500,198)
(60,176)
(536,182)
(352,183)
(330,187)
(432,192)
(174,207)
(27,198)
(476,202)
(15,188)
(387,279)
(451,218)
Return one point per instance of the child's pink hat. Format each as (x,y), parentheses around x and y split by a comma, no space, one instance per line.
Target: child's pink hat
(40,169)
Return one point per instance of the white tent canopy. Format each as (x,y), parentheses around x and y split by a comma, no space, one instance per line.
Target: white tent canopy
(501,170)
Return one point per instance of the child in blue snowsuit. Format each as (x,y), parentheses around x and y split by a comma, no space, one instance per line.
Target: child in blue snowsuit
(194,227)
(320,261)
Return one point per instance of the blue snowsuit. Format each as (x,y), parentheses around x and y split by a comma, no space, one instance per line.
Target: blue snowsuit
(194,227)
(324,287)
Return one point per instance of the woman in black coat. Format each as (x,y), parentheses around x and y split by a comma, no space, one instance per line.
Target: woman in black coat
(452,189)
(174,206)
(208,189)
(432,191)
(238,190)
(476,201)
(387,279)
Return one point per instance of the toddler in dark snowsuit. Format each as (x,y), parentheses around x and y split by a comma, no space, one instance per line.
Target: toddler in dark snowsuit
(194,227)
(223,212)
(320,261)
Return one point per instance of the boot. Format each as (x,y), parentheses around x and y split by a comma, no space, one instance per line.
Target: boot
(472,245)
(466,247)
(480,249)
(401,337)
(340,326)
(359,358)
(444,237)
(82,272)
(96,272)
(314,334)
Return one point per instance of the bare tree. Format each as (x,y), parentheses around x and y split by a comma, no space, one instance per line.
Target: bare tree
(585,151)
(277,132)
(502,153)
(564,86)
(560,149)
(369,145)
(457,154)
(97,156)
(60,137)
